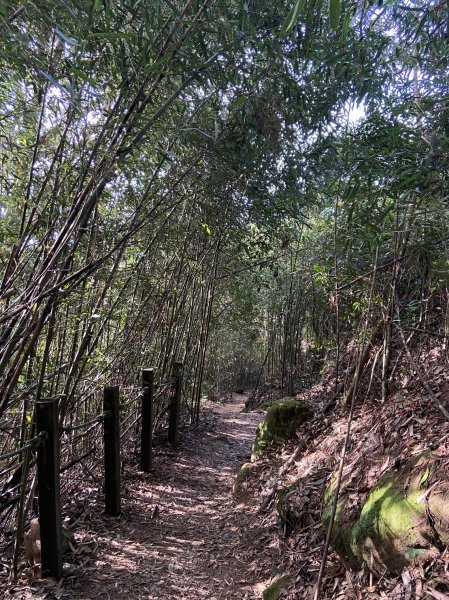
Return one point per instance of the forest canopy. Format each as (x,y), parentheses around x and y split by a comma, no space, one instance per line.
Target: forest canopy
(153,154)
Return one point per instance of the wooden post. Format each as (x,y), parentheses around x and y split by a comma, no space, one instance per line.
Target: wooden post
(49,489)
(146,439)
(112,450)
(175,404)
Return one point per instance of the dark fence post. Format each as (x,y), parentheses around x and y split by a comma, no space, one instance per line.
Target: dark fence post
(146,439)
(175,404)
(49,489)
(112,450)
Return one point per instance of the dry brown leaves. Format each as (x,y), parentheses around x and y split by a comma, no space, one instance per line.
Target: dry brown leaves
(182,535)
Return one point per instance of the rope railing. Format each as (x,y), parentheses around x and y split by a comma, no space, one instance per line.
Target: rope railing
(138,396)
(48,440)
(132,400)
(76,460)
(34,443)
(98,419)
(134,417)
(164,383)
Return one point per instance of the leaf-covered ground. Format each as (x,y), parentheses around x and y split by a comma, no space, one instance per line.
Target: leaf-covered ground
(184,534)
(181,534)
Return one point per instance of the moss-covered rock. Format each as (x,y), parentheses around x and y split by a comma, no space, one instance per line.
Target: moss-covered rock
(392,528)
(280,423)
(274,591)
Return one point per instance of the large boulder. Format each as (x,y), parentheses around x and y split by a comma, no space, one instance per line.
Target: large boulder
(280,423)
(404,518)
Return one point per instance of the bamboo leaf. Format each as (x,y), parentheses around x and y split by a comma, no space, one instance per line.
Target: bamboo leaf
(334,13)
(293,16)
(65,38)
(111,35)
(345,28)
(52,80)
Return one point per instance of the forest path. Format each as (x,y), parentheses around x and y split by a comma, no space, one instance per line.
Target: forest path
(182,535)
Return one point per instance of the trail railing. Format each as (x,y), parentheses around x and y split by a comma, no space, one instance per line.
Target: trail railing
(47,444)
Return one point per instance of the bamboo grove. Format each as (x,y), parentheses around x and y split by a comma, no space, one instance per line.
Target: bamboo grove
(182,180)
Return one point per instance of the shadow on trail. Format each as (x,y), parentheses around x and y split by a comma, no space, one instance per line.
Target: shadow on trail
(182,536)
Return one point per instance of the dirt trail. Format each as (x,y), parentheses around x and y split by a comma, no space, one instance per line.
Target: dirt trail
(182,535)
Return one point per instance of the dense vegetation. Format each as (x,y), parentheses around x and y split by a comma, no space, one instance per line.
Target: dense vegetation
(244,186)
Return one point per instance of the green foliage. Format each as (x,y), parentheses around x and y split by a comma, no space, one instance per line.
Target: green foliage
(334,13)
(293,16)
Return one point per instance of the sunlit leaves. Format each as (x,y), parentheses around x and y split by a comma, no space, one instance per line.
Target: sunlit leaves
(293,16)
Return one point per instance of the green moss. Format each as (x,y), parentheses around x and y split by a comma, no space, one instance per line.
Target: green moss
(387,531)
(274,591)
(388,512)
(391,528)
(282,419)
(329,491)
(389,525)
